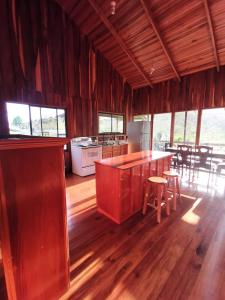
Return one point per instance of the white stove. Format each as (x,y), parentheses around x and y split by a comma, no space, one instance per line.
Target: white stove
(84,154)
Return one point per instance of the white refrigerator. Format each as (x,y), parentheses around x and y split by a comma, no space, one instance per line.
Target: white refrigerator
(139,136)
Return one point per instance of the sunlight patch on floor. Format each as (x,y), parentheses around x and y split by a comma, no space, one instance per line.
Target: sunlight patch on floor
(81,184)
(81,260)
(88,273)
(190,217)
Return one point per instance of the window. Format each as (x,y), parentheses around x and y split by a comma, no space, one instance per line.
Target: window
(142,118)
(185,124)
(37,121)
(117,123)
(161,130)
(110,123)
(213,129)
(35,113)
(18,118)
(49,122)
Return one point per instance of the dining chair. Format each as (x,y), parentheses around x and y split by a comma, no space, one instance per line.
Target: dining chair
(184,157)
(202,158)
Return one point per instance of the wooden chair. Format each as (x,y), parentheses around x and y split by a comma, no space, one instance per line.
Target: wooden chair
(184,157)
(173,177)
(160,184)
(202,158)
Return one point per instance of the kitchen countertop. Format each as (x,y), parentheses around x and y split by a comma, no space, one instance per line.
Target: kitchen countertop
(133,159)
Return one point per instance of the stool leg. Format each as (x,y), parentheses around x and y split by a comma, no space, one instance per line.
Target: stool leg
(174,194)
(178,186)
(167,200)
(159,200)
(146,196)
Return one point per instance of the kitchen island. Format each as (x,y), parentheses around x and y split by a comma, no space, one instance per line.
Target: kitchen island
(120,181)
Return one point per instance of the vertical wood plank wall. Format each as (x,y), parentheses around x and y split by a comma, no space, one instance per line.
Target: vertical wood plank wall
(197,91)
(45,60)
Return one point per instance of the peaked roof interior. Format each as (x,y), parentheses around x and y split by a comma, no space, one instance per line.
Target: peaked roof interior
(172,38)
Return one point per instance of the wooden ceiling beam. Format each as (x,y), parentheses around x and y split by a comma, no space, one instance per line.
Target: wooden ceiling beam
(212,36)
(159,36)
(119,40)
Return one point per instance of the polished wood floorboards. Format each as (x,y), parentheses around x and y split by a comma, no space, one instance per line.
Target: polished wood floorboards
(181,258)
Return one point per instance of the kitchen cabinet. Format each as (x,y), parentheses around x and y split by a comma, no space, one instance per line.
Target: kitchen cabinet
(114,150)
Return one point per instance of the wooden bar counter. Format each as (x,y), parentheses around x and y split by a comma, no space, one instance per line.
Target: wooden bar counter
(120,181)
(33,223)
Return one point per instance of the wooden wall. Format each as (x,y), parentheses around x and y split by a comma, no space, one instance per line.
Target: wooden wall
(44,59)
(197,91)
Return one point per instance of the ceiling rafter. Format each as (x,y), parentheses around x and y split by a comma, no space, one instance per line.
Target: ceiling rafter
(212,36)
(119,40)
(158,34)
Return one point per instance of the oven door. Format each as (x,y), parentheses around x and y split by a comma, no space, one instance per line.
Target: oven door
(90,155)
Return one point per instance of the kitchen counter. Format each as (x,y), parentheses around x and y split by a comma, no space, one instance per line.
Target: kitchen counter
(133,159)
(120,182)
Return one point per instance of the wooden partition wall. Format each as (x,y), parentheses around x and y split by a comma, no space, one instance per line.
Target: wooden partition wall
(33,218)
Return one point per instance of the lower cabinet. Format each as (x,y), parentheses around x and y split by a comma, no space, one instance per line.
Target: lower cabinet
(111,151)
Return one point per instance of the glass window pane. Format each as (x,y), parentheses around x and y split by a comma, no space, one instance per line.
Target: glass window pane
(142,118)
(18,118)
(36,120)
(213,129)
(161,130)
(49,121)
(61,122)
(104,123)
(117,123)
(179,126)
(191,126)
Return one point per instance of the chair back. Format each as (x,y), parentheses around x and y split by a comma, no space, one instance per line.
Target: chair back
(184,154)
(203,156)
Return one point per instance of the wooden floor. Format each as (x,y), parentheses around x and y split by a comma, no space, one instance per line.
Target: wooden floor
(182,258)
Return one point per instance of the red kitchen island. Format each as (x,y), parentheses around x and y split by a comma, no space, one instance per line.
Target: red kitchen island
(120,181)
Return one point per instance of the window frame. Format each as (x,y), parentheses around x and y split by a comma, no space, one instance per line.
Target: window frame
(200,129)
(30,120)
(185,126)
(111,116)
(153,120)
(149,117)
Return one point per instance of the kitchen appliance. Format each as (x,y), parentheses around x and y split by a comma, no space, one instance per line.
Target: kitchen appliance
(84,153)
(139,136)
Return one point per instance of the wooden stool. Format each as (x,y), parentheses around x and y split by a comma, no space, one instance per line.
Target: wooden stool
(161,185)
(174,176)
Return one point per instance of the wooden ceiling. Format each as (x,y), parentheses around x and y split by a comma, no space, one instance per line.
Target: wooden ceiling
(174,37)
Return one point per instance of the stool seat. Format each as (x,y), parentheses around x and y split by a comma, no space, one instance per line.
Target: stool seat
(157,179)
(171,173)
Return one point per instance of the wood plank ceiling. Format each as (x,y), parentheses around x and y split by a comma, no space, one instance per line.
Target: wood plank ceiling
(173,37)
